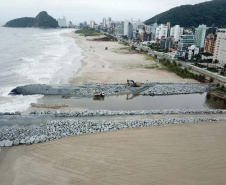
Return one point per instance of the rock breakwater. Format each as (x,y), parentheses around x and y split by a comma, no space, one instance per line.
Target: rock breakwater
(96,113)
(58,127)
(87,90)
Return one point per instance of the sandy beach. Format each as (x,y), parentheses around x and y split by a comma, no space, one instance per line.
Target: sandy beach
(116,64)
(189,153)
(173,154)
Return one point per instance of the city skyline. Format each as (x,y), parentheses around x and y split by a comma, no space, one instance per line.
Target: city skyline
(79,11)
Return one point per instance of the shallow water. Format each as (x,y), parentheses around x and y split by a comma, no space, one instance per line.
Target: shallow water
(130,102)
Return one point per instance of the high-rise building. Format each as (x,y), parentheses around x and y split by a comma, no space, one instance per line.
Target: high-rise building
(184,42)
(92,24)
(62,22)
(166,43)
(220,47)
(153,29)
(209,44)
(200,34)
(85,24)
(126,25)
(104,23)
(176,32)
(161,31)
(130,30)
(109,22)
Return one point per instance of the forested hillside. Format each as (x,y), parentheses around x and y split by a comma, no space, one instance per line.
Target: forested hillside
(208,13)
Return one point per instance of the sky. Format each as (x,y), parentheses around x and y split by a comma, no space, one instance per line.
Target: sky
(85,10)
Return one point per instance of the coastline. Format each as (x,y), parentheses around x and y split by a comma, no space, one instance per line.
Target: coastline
(115,64)
(169,154)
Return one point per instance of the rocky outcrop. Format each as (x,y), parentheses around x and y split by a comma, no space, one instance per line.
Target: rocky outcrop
(42,20)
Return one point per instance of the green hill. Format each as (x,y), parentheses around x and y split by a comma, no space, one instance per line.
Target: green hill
(208,13)
(42,20)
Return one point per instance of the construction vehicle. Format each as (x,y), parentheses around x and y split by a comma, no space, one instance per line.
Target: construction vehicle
(98,94)
(133,83)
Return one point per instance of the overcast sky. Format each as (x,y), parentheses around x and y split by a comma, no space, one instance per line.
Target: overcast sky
(85,10)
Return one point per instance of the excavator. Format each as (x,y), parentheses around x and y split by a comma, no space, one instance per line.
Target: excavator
(133,83)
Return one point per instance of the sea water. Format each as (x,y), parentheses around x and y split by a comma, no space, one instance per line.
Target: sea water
(34,56)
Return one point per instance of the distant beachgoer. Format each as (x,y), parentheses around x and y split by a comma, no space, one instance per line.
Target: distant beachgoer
(106,48)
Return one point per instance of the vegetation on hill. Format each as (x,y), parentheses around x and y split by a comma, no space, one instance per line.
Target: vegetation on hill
(208,13)
(21,22)
(42,20)
(88,32)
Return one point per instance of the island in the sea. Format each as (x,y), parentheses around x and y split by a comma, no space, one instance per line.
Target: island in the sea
(42,20)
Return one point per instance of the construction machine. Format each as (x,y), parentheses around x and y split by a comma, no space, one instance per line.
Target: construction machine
(133,83)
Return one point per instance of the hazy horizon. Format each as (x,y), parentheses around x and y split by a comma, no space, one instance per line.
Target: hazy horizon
(79,11)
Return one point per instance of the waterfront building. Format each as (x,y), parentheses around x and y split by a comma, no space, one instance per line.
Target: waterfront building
(62,23)
(119,28)
(191,51)
(209,43)
(85,24)
(153,29)
(81,25)
(130,30)
(70,25)
(200,34)
(161,32)
(166,43)
(126,25)
(184,42)
(108,22)
(176,32)
(135,34)
(220,47)
(104,23)
(92,24)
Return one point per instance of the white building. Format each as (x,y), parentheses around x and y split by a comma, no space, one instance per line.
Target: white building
(92,24)
(126,27)
(104,23)
(191,51)
(220,47)
(109,22)
(176,32)
(161,31)
(62,23)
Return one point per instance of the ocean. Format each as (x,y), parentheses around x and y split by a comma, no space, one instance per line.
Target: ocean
(34,56)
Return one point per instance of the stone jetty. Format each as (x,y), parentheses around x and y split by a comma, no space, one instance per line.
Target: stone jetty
(50,125)
(87,90)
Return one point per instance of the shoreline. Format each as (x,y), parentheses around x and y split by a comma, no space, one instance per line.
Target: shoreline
(186,153)
(177,154)
(115,65)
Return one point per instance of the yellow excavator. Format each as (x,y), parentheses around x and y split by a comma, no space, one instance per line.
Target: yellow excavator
(133,83)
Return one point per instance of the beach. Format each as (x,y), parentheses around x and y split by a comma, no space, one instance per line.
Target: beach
(188,153)
(172,154)
(116,64)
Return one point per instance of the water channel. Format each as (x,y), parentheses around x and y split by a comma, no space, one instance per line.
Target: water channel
(138,102)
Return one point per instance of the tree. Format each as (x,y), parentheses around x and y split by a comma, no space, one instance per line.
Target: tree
(224,66)
(216,62)
(211,79)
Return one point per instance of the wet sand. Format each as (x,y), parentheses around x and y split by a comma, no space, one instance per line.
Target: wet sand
(172,154)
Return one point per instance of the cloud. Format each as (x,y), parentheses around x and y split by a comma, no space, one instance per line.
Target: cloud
(81,10)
